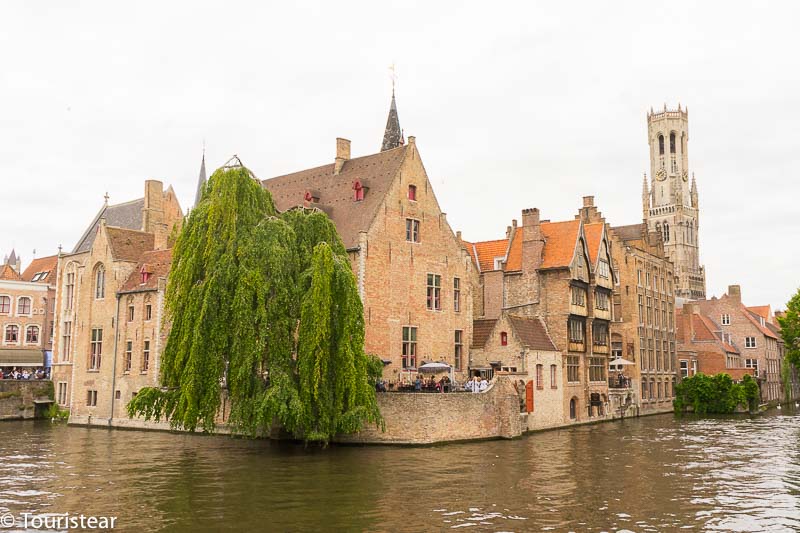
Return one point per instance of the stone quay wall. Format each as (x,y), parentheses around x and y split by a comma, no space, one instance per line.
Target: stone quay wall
(18,398)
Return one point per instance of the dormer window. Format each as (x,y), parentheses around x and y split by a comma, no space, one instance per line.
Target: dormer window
(503,338)
(412,192)
(145,275)
(311,197)
(358,191)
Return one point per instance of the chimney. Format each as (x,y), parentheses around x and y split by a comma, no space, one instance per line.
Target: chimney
(532,240)
(735,292)
(508,232)
(689,310)
(342,154)
(153,213)
(588,201)
(458,235)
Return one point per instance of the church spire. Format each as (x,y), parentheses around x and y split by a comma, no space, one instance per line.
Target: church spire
(393,136)
(201,179)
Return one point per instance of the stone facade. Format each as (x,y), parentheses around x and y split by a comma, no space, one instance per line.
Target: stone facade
(24,399)
(670,206)
(92,329)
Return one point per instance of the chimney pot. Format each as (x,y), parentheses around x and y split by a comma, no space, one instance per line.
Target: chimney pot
(411,139)
(530,217)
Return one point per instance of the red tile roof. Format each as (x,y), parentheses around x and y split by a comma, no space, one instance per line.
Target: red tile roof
(481,329)
(533,333)
(752,317)
(763,311)
(514,261)
(594,235)
(8,273)
(157,263)
(560,241)
(42,265)
(487,251)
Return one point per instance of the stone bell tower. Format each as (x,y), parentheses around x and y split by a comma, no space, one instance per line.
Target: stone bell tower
(670,203)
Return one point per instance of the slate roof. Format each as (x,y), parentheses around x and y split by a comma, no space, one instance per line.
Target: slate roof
(631,232)
(157,263)
(481,329)
(129,245)
(532,333)
(127,215)
(42,265)
(375,171)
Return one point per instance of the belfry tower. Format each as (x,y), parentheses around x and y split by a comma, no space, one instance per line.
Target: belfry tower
(669,204)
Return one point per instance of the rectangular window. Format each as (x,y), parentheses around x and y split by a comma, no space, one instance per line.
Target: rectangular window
(409,347)
(597,369)
(146,356)
(456,294)
(130,313)
(602,268)
(126,365)
(641,309)
(412,230)
(67,340)
(539,377)
(62,393)
(578,296)
(639,277)
(553,374)
(32,335)
(70,290)
(576,334)
(459,349)
(600,334)
(601,300)
(434,292)
(749,342)
(24,306)
(96,349)
(726,320)
(91,398)
(412,192)
(148,312)
(5,305)
(573,369)
(751,363)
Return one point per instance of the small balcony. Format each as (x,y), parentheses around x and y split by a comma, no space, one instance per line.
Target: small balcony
(619,382)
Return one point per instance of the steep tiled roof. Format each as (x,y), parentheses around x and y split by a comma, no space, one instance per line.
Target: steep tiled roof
(157,263)
(129,245)
(514,261)
(8,273)
(631,232)
(703,328)
(481,329)
(754,318)
(336,191)
(560,240)
(532,333)
(487,251)
(761,310)
(46,266)
(127,215)
(594,234)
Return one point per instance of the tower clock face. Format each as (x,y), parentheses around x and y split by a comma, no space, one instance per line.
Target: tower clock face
(661,174)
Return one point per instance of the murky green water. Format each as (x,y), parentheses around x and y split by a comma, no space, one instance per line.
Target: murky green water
(651,474)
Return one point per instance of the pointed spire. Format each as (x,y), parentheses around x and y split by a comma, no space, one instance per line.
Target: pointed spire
(201,178)
(393,136)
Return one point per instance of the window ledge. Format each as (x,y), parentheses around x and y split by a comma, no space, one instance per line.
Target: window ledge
(93,370)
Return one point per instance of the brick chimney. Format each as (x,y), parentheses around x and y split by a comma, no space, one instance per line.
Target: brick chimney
(532,240)
(735,293)
(153,213)
(342,154)
(589,213)
(689,309)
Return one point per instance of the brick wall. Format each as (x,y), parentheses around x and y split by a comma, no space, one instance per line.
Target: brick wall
(17,398)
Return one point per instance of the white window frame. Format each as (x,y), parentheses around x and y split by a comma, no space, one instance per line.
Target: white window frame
(750,342)
(725,319)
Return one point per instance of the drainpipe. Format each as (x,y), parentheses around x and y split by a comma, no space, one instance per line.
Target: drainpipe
(114,368)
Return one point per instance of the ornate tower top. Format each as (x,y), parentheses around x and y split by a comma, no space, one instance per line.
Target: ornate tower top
(393,136)
(668,137)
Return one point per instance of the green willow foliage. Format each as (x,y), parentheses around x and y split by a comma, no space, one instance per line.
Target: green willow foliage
(716,394)
(265,304)
(790,330)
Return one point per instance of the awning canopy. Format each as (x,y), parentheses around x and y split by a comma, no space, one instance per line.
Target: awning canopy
(21,357)
(620,361)
(434,367)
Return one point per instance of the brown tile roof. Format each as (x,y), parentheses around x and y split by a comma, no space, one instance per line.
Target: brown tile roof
(752,317)
(487,251)
(761,310)
(128,245)
(532,333)
(42,265)
(514,261)
(157,263)
(560,241)
(631,232)
(127,215)
(594,234)
(375,171)
(8,273)
(703,328)
(481,329)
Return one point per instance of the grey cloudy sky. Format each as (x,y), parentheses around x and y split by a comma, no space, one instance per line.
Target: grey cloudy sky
(514,105)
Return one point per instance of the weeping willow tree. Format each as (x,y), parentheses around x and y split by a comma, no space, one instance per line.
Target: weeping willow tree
(265,305)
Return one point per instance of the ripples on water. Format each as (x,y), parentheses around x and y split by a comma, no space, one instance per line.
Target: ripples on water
(650,474)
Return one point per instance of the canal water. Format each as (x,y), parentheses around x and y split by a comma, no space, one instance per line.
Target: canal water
(649,474)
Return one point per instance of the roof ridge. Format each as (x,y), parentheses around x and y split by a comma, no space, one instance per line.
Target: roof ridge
(332,164)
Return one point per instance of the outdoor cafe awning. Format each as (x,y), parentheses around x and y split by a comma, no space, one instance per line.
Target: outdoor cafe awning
(21,357)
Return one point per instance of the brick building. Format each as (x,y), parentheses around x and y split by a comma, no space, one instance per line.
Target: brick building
(747,331)
(414,276)
(27,300)
(546,270)
(92,330)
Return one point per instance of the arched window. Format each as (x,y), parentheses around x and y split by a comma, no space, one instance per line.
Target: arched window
(660,145)
(12,334)
(5,304)
(24,306)
(573,408)
(100,282)
(672,142)
(665,230)
(32,335)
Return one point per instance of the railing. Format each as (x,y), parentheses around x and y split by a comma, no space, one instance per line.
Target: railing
(617,383)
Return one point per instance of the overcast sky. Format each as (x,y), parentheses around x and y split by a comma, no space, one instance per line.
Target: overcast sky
(516,106)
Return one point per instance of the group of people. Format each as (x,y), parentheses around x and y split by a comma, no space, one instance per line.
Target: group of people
(431,384)
(25,373)
(476,384)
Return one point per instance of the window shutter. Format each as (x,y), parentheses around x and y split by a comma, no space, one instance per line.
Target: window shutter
(529,396)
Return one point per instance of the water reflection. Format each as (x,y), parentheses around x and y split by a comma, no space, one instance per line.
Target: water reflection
(651,474)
